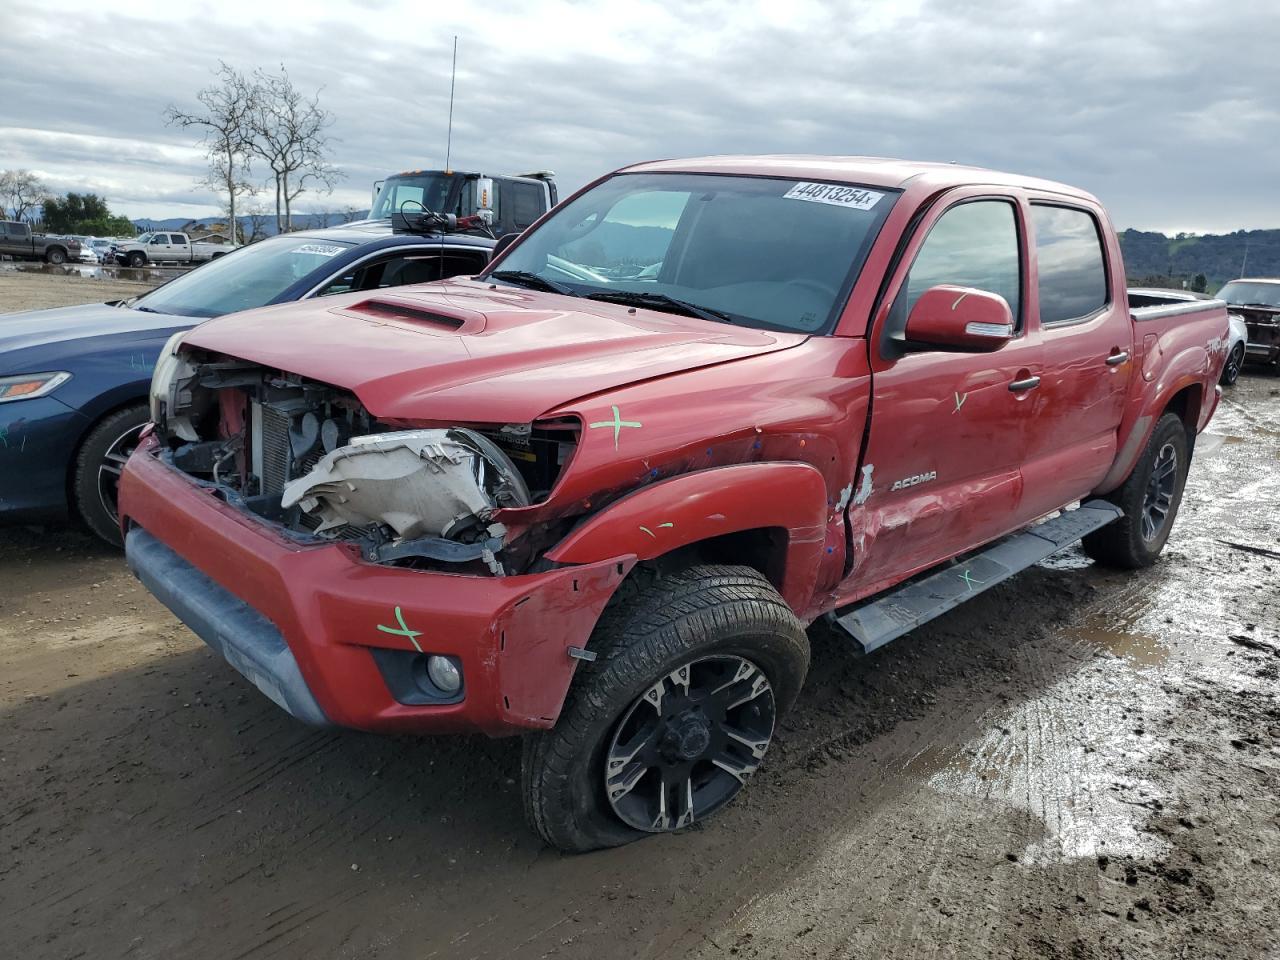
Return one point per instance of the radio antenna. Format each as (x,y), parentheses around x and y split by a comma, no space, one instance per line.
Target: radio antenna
(453,78)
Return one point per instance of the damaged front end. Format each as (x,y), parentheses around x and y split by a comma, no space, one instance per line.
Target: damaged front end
(310,459)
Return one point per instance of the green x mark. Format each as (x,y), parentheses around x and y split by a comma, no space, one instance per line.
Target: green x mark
(404,630)
(617,423)
(967,579)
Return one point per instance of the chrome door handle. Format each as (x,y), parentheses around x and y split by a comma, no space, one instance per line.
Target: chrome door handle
(1117,358)
(1028,384)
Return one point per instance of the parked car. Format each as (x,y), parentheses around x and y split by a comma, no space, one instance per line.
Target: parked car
(17,241)
(73,381)
(601,512)
(1257,302)
(508,204)
(87,253)
(1237,330)
(168,247)
(103,248)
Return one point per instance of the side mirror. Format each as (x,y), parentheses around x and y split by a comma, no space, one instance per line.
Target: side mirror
(504,241)
(960,318)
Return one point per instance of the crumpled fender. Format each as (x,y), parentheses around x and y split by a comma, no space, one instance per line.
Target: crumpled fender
(709,503)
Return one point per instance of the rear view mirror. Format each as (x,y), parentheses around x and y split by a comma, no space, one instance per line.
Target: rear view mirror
(961,318)
(504,241)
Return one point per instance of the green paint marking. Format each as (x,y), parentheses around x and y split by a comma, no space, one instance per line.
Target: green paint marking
(617,423)
(404,630)
(4,437)
(970,581)
(661,525)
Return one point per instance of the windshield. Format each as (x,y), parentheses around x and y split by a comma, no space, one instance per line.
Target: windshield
(1244,293)
(250,277)
(404,193)
(763,252)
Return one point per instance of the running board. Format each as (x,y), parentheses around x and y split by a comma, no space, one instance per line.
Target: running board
(889,616)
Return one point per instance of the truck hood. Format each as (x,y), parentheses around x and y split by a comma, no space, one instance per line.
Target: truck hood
(71,327)
(462,351)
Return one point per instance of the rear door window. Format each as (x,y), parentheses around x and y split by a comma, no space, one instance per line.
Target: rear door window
(1072,269)
(524,202)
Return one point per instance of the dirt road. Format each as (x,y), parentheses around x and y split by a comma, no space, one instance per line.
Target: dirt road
(24,290)
(1079,764)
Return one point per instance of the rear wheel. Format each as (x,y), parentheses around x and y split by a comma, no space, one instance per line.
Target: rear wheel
(674,716)
(1231,369)
(55,255)
(98,467)
(1149,499)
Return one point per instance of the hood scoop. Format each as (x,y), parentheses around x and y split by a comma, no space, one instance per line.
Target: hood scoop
(394,309)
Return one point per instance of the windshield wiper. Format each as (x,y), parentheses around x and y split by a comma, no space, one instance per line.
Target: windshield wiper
(659,300)
(146,309)
(534,281)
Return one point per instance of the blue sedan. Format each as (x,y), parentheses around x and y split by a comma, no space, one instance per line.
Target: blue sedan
(74,380)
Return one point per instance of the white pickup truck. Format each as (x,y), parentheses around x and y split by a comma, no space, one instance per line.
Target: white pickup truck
(168,247)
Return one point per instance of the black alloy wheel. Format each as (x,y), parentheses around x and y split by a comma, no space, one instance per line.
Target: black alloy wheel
(688,743)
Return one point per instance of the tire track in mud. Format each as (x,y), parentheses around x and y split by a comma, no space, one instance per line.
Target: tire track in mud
(881,823)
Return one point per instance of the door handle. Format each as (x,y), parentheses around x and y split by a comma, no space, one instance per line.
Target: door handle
(1030,383)
(1117,358)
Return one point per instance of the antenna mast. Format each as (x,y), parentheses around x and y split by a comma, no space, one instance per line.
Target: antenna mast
(453,78)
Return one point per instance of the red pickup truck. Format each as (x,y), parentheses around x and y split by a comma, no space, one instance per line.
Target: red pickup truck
(595,494)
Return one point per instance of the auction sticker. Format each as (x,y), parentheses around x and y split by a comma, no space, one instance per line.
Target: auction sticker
(834,194)
(319,249)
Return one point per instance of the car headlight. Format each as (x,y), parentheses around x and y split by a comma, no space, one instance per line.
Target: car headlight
(162,378)
(28,386)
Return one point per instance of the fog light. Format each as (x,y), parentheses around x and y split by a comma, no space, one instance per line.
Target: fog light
(444,673)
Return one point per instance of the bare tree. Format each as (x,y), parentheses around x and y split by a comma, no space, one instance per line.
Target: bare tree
(350,214)
(257,216)
(21,191)
(227,106)
(289,136)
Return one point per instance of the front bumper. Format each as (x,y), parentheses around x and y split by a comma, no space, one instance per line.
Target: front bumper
(303,621)
(37,440)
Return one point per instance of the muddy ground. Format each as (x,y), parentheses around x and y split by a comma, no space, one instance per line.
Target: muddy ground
(35,287)
(1079,764)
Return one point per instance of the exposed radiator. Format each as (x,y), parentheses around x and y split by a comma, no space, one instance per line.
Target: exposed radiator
(270,448)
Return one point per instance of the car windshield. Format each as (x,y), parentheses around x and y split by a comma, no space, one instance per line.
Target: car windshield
(249,277)
(762,252)
(1244,293)
(412,193)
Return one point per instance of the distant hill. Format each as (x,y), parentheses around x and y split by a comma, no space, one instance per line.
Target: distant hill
(301,221)
(1220,257)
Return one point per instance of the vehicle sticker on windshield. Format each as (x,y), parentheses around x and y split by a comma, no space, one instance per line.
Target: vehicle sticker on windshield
(834,194)
(319,249)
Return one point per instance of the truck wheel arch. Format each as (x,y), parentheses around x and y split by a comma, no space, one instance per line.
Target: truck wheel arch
(778,510)
(1184,397)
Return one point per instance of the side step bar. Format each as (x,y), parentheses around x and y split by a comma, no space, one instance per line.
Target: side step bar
(890,615)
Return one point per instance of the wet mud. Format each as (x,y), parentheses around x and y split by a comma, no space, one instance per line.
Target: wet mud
(1080,763)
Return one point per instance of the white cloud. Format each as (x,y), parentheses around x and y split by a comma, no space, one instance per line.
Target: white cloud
(1165,110)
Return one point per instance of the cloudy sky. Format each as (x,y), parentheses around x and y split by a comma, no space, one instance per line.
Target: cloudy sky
(1170,112)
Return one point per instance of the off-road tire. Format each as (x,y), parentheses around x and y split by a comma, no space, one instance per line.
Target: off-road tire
(85,490)
(137,259)
(1231,369)
(56,256)
(1121,544)
(655,623)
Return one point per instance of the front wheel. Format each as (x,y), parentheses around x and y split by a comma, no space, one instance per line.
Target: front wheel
(98,467)
(137,259)
(1231,369)
(1149,499)
(675,715)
